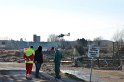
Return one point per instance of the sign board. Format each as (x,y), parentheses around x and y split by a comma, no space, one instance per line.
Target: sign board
(93,51)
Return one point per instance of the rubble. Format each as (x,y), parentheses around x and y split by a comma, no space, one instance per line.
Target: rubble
(11,57)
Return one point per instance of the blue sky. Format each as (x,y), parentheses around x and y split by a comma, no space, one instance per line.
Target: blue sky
(82,18)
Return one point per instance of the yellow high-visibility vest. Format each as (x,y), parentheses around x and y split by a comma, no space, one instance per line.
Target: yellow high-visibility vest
(29,52)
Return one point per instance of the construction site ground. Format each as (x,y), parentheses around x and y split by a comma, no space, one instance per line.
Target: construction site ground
(15,72)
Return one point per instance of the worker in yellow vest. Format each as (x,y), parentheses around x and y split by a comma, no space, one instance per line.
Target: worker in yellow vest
(29,60)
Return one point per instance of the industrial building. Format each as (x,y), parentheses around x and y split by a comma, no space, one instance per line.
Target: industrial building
(36,38)
(16,45)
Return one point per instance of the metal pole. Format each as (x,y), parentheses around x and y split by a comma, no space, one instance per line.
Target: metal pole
(113,54)
(91,69)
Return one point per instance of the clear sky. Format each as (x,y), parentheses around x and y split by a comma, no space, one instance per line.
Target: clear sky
(82,18)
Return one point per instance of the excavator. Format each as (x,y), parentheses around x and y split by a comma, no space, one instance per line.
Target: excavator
(62,35)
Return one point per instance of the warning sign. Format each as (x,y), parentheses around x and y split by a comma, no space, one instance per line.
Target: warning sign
(93,51)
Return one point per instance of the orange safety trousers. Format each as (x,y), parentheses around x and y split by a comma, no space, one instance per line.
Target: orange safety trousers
(29,67)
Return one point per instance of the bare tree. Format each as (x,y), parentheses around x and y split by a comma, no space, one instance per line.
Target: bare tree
(119,36)
(97,40)
(118,45)
(54,38)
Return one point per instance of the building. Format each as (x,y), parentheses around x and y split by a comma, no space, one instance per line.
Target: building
(36,38)
(18,45)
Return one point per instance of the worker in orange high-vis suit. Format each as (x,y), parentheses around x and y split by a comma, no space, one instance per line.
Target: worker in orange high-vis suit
(29,60)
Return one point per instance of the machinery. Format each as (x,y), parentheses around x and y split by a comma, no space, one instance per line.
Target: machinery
(62,35)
